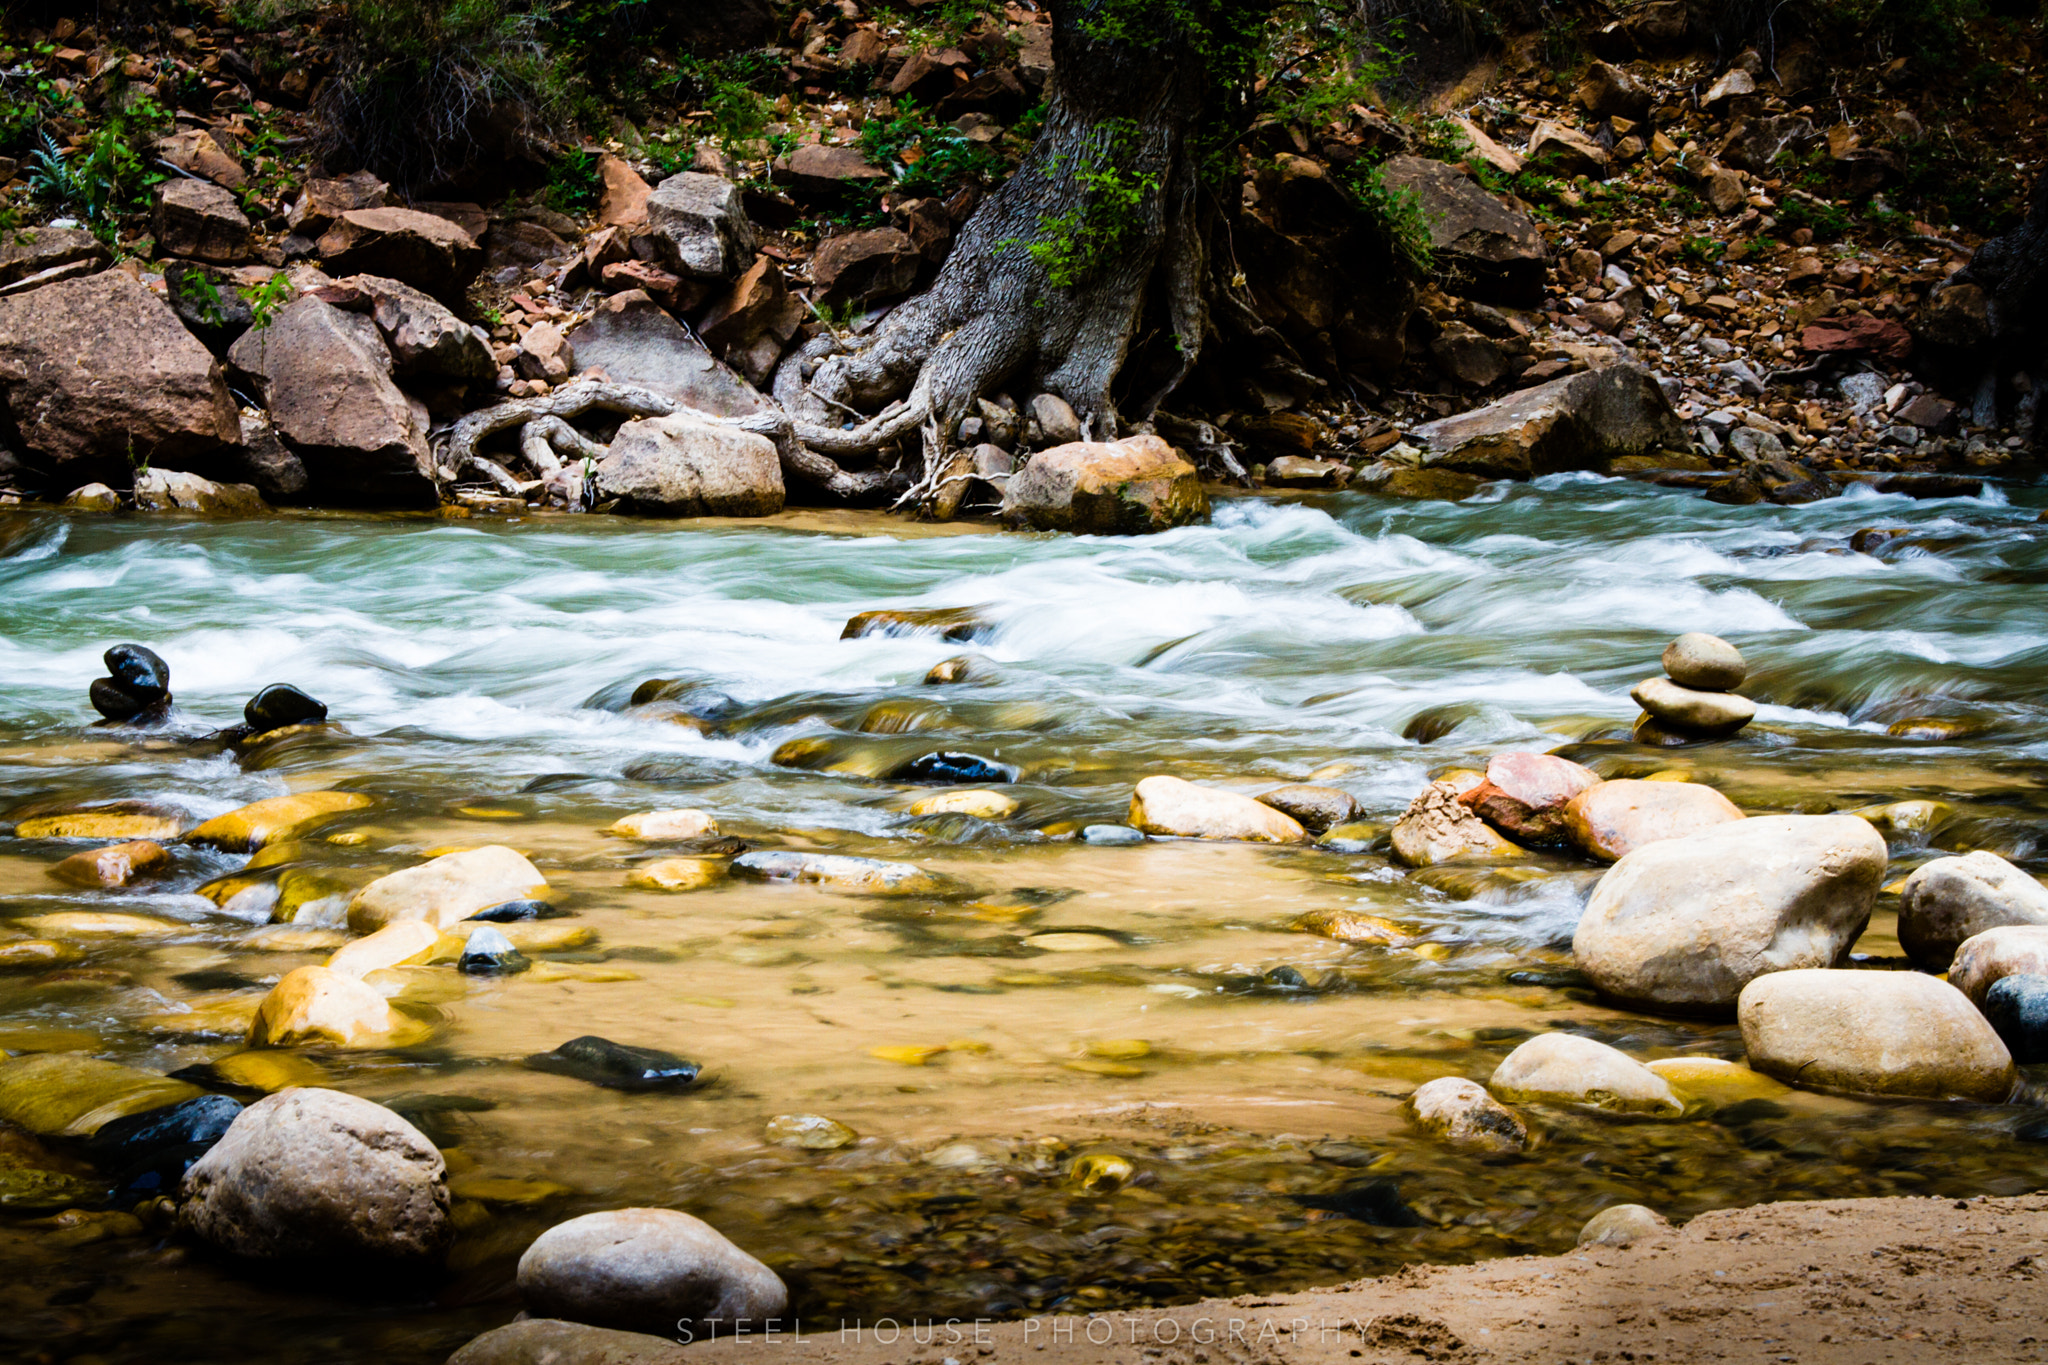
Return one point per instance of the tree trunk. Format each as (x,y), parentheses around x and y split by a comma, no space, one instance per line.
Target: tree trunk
(2013,273)
(1051,277)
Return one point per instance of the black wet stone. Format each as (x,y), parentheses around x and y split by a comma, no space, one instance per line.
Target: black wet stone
(617,1066)
(139,1138)
(1377,1202)
(112,701)
(159,1174)
(959,769)
(490,953)
(140,672)
(511,912)
(2017,1007)
(279,705)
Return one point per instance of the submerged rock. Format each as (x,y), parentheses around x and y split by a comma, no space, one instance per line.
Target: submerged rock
(1461,1113)
(1439,828)
(1705,663)
(125,1142)
(320,1005)
(653,1270)
(1171,806)
(1352,926)
(1315,809)
(550,1341)
(982,805)
(316,1173)
(1873,1033)
(964,770)
(617,1066)
(947,623)
(1624,1225)
(68,1094)
(1615,818)
(677,874)
(665,825)
(279,705)
(1684,924)
(114,866)
(2011,950)
(963,668)
(120,820)
(1524,795)
(1563,1068)
(1953,899)
(860,876)
(447,890)
(812,1132)
(489,953)
(1111,835)
(514,912)
(276,819)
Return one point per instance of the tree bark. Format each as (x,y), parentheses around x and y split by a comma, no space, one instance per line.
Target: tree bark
(2013,273)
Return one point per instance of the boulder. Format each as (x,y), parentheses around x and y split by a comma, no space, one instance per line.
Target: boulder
(310,1173)
(1314,808)
(1057,421)
(331,398)
(274,820)
(754,320)
(1563,1068)
(424,338)
(818,171)
(1615,818)
(1129,487)
(1524,795)
(100,370)
(1578,421)
(1461,1113)
(1706,663)
(171,490)
(1606,91)
(1488,250)
(69,1094)
(321,202)
(1684,924)
(701,225)
(683,466)
(861,267)
(1624,1225)
(29,252)
(1439,828)
(200,220)
(2012,950)
(415,248)
(449,888)
(1950,900)
(550,1341)
(1692,712)
(1168,805)
(1566,151)
(198,152)
(622,200)
(316,1005)
(636,343)
(650,1270)
(1873,1033)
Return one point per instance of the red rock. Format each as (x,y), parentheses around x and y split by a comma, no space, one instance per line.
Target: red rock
(1858,332)
(112,866)
(862,266)
(1524,795)
(624,199)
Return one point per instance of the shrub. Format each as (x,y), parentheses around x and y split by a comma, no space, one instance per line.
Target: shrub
(106,177)
(423,90)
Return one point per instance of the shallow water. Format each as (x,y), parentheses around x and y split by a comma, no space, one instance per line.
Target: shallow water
(1287,639)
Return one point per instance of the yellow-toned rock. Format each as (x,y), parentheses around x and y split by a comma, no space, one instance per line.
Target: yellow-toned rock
(528,936)
(665,824)
(113,866)
(982,805)
(449,889)
(30,953)
(68,1094)
(223,1016)
(101,924)
(279,817)
(1168,805)
(1711,1078)
(102,824)
(401,941)
(292,938)
(677,874)
(269,1072)
(319,1005)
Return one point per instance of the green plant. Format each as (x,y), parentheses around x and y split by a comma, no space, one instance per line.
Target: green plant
(727,90)
(573,183)
(266,298)
(1074,244)
(196,289)
(1825,220)
(1701,250)
(1396,214)
(924,157)
(105,176)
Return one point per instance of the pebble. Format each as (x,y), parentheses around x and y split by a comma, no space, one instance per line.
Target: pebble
(617,1066)
(1461,1113)
(812,1132)
(1624,1225)
(1563,1068)
(1705,663)
(489,953)
(649,1270)
(1111,835)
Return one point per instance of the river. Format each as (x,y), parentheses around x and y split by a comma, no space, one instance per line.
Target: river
(1153,1003)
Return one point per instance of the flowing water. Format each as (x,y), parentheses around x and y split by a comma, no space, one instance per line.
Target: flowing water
(479,675)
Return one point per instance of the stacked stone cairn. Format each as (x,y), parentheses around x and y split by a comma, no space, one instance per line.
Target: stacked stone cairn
(1696,700)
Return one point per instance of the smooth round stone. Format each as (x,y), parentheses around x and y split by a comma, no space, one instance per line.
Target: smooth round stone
(1873,1033)
(2012,950)
(279,705)
(961,668)
(1615,818)
(320,1005)
(617,1066)
(513,912)
(1353,926)
(649,1270)
(1717,1080)
(489,953)
(68,1094)
(1168,805)
(1111,835)
(447,889)
(406,940)
(1563,1068)
(113,866)
(982,805)
(280,817)
(1624,1225)
(113,701)
(1953,899)
(1314,808)
(677,874)
(812,1132)
(123,821)
(141,672)
(1704,662)
(1693,712)
(1061,941)
(1461,1113)
(101,924)
(318,1173)
(2017,1008)
(958,769)
(657,825)
(858,876)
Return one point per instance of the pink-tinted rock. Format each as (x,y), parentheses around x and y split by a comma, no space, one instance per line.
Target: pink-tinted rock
(1524,795)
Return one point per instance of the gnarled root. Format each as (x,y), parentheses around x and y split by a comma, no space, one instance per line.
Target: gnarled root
(459,446)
